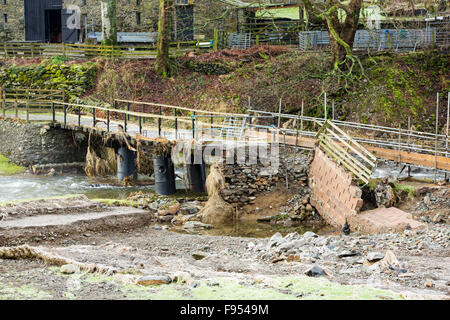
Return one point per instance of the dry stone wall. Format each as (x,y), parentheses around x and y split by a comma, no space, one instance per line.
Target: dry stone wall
(37,144)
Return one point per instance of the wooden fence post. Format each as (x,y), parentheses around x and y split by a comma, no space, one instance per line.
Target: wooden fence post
(2,93)
(216,39)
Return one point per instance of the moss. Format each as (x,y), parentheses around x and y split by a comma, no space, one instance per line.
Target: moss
(118,203)
(410,190)
(74,79)
(24,292)
(9,168)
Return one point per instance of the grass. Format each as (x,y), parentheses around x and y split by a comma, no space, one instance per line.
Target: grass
(267,288)
(410,190)
(67,196)
(120,203)
(8,168)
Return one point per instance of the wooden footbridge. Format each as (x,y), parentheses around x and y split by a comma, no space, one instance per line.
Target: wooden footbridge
(152,120)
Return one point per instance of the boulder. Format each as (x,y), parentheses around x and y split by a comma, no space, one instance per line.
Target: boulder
(70,269)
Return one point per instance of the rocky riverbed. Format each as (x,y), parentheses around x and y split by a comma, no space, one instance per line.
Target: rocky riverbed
(317,266)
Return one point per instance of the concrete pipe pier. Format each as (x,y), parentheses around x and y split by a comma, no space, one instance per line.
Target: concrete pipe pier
(164,175)
(126,164)
(196,175)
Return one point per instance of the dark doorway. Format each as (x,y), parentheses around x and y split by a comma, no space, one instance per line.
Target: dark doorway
(53,27)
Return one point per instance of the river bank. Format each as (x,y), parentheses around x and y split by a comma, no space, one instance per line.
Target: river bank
(201,263)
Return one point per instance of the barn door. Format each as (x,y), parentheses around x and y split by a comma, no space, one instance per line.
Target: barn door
(69,33)
(34,21)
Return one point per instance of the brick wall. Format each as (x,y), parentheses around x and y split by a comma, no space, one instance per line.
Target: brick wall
(333,193)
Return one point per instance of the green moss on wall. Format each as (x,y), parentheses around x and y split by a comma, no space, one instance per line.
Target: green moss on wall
(75,79)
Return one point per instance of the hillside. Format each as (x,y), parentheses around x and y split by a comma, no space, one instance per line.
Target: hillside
(391,86)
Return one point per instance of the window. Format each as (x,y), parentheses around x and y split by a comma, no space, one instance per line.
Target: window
(138,18)
(138,2)
(5,18)
(4,1)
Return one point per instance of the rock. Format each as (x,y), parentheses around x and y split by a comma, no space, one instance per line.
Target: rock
(438,218)
(70,269)
(309,207)
(198,255)
(348,253)
(315,271)
(196,225)
(154,280)
(189,208)
(389,260)
(182,277)
(286,246)
(293,258)
(171,210)
(292,236)
(374,256)
(276,239)
(427,199)
(428,284)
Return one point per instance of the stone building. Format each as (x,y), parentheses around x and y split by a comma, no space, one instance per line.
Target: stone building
(47,20)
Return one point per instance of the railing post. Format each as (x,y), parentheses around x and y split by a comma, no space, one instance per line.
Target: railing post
(176,124)
(159,121)
(65,114)
(446,135)
(107,121)
(79,116)
(143,111)
(28,110)
(2,92)
(53,112)
(93,117)
(128,109)
(125,122)
(193,126)
(212,123)
(436,139)
(140,125)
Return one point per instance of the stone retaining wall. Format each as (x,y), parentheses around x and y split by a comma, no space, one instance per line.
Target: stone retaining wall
(37,144)
(245,182)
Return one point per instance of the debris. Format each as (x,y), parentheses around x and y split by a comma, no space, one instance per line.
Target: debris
(154,280)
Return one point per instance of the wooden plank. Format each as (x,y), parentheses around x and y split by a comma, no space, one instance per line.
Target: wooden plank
(343,159)
(346,155)
(353,141)
(330,152)
(351,147)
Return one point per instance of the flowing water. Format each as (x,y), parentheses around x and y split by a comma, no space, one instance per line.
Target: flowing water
(35,187)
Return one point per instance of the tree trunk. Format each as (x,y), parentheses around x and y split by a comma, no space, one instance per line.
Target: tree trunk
(342,34)
(109,22)
(162,58)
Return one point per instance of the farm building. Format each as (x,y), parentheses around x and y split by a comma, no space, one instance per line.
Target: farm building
(50,20)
